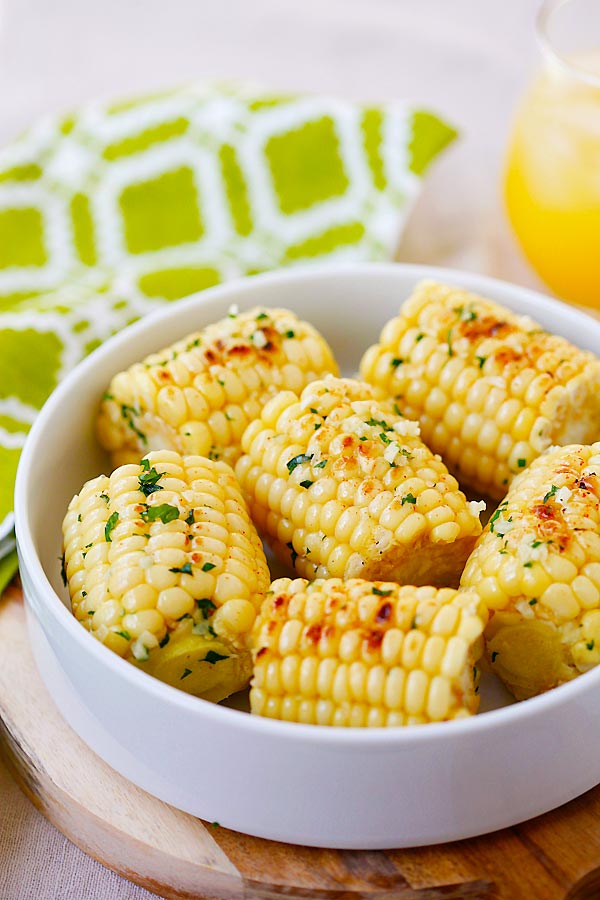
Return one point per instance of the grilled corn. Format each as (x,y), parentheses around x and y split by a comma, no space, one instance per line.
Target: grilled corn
(366,654)
(344,487)
(165,568)
(198,396)
(537,569)
(491,389)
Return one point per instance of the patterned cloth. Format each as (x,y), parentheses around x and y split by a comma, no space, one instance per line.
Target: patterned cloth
(110,212)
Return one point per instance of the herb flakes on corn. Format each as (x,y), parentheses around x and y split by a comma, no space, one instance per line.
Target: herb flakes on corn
(491,389)
(165,568)
(343,486)
(366,654)
(536,567)
(198,396)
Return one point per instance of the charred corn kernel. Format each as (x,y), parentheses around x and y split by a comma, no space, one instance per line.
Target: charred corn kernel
(366,654)
(538,573)
(344,487)
(490,389)
(198,396)
(165,568)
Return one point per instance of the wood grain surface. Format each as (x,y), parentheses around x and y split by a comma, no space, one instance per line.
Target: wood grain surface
(554,857)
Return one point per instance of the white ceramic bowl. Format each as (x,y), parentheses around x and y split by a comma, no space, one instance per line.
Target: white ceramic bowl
(303,784)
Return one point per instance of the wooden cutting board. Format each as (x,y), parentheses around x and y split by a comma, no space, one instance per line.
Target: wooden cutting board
(554,857)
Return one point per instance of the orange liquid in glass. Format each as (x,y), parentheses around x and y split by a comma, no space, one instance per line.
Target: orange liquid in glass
(552,185)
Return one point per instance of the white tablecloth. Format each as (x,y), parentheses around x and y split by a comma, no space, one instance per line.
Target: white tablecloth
(469,59)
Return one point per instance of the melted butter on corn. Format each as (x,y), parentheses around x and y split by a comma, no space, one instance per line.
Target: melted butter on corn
(165,568)
(491,389)
(366,654)
(537,569)
(343,486)
(198,396)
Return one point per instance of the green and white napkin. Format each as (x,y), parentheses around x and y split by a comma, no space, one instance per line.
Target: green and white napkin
(117,209)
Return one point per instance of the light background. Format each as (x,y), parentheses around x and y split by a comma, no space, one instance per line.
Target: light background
(468,59)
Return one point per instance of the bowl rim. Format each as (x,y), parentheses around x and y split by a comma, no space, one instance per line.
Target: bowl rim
(503,717)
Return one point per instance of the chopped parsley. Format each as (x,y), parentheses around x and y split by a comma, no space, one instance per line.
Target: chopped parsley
(63,570)
(383,437)
(379,593)
(497,514)
(185,569)
(494,655)
(481,360)
(149,479)
(215,825)
(449,341)
(553,490)
(413,623)
(535,544)
(165,512)
(313,410)
(79,517)
(419,337)
(306,484)
(590,644)
(189,519)
(208,566)
(397,410)
(186,672)
(290,334)
(317,425)
(533,601)
(381,423)
(321,465)
(124,634)
(298,460)
(128,412)
(397,361)
(293,553)
(110,525)
(261,316)
(363,438)
(521,463)
(206,607)
(410,498)
(528,564)
(213,657)
(165,640)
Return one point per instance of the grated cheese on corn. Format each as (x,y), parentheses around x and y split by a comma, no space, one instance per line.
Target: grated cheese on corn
(540,577)
(491,389)
(322,484)
(198,396)
(166,569)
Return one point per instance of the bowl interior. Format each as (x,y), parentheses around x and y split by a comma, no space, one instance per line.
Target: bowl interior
(348,305)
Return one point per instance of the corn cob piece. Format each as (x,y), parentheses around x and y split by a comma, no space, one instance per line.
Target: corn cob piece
(491,389)
(366,654)
(344,487)
(537,569)
(165,568)
(198,396)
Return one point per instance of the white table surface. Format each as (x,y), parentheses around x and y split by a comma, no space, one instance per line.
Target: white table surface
(468,59)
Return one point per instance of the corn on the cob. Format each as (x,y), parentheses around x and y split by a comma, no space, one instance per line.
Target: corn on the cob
(344,487)
(491,389)
(366,654)
(165,567)
(537,569)
(198,396)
